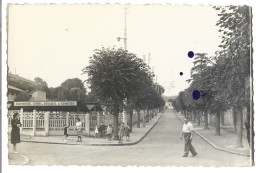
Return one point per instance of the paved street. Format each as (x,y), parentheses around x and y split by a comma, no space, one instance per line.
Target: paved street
(162,146)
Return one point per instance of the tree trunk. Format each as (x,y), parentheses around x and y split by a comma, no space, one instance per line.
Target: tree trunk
(147,115)
(195,116)
(115,126)
(206,120)
(239,116)
(234,119)
(191,115)
(185,113)
(217,123)
(199,118)
(130,120)
(144,118)
(138,118)
(222,118)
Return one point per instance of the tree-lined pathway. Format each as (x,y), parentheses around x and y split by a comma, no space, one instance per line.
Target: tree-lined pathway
(162,146)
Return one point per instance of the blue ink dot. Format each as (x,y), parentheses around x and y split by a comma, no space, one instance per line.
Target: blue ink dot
(181,73)
(196,94)
(191,54)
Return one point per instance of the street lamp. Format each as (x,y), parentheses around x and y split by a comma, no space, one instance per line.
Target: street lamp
(125,35)
(119,38)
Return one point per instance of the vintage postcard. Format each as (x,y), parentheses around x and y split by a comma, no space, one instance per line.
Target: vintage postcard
(130,85)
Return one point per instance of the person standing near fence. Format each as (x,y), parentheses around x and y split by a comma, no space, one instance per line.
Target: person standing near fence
(127,132)
(96,131)
(66,134)
(121,133)
(109,132)
(187,132)
(15,133)
(102,130)
(79,128)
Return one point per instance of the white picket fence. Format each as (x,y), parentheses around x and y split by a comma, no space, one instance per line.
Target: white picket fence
(57,120)
(53,123)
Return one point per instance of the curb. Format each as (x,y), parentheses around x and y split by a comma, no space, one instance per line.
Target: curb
(219,148)
(124,144)
(132,143)
(26,159)
(215,146)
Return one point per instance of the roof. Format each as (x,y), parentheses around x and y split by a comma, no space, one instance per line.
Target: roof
(14,88)
(79,106)
(15,76)
(34,91)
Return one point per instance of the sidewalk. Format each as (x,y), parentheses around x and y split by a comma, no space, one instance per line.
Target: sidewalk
(136,136)
(225,142)
(17,159)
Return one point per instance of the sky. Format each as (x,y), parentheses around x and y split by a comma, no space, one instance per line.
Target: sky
(54,42)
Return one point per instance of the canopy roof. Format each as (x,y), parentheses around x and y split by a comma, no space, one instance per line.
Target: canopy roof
(69,106)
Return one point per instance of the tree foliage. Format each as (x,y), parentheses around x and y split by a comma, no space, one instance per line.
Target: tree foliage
(116,75)
(221,79)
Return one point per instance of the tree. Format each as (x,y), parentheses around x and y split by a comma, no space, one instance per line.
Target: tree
(113,75)
(234,25)
(22,96)
(42,85)
(72,89)
(170,100)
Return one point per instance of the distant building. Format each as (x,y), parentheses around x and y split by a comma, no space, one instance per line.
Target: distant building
(37,95)
(13,92)
(168,105)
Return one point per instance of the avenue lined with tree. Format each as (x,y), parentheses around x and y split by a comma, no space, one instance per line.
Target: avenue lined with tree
(222,79)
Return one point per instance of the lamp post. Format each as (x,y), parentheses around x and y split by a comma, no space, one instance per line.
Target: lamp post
(125,46)
(125,35)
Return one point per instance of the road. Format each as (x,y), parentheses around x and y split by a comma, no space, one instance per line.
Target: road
(161,147)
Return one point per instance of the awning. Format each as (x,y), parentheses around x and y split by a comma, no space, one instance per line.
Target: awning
(66,106)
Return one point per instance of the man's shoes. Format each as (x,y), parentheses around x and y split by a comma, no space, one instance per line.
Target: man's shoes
(194,155)
(184,155)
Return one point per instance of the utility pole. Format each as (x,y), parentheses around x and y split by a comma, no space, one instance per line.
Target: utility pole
(125,46)
(125,30)
(125,39)
(149,59)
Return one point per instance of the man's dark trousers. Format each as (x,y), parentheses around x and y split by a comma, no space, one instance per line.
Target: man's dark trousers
(188,145)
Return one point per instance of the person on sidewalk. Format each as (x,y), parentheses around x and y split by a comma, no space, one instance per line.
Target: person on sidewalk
(15,132)
(121,133)
(66,134)
(187,132)
(109,132)
(96,131)
(78,128)
(102,129)
(127,132)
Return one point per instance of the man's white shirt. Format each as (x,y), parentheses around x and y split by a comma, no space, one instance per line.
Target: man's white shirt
(187,128)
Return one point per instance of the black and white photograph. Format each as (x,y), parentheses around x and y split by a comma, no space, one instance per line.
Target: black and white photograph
(129,85)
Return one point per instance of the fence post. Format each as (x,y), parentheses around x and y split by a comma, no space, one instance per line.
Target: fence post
(21,120)
(98,118)
(34,123)
(46,123)
(67,118)
(87,123)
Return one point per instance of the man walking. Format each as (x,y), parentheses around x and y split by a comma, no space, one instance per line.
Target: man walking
(187,132)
